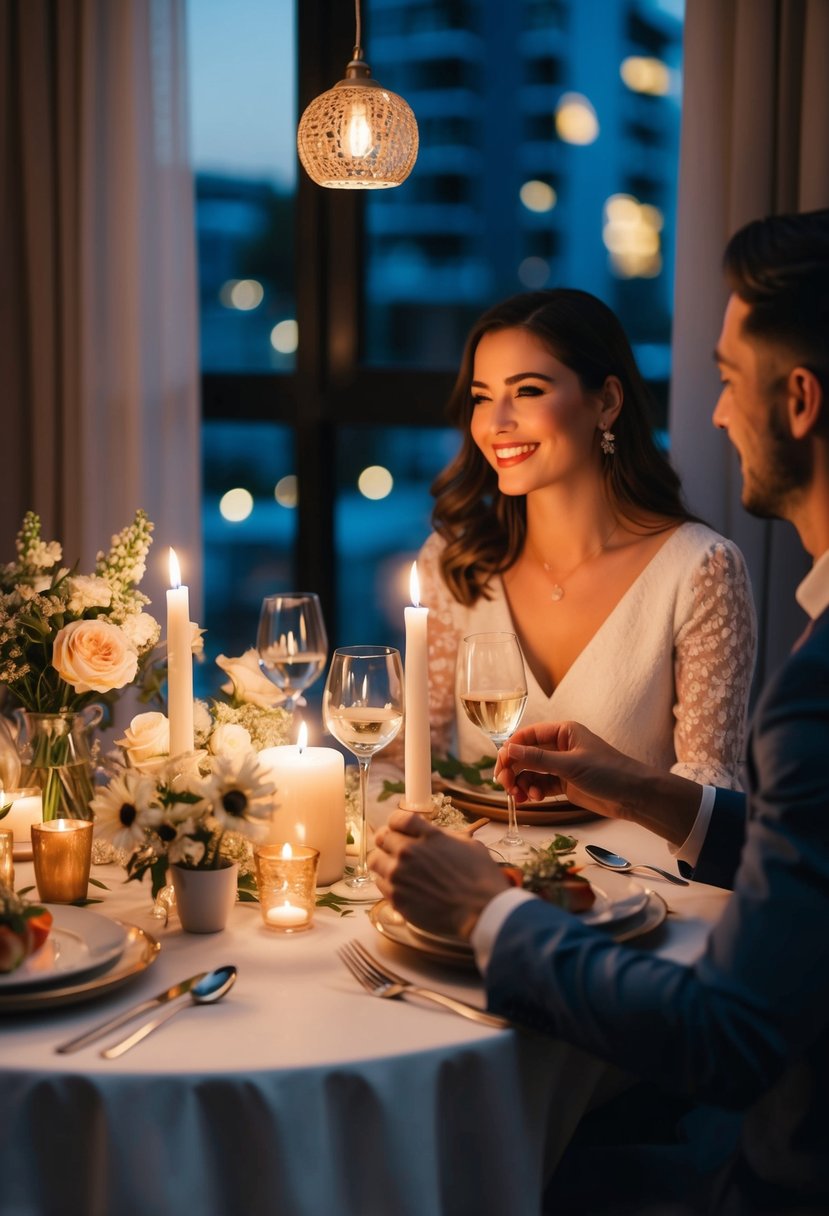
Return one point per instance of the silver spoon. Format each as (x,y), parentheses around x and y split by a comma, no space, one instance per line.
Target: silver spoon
(614,862)
(208,990)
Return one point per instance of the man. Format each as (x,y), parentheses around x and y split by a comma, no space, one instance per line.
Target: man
(746,1027)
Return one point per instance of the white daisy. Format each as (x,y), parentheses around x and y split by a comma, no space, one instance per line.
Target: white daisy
(123,810)
(239,795)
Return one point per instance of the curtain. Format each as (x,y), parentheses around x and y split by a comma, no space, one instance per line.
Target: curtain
(98,330)
(754,142)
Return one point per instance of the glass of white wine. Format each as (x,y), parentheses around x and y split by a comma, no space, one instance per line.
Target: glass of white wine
(291,642)
(492,686)
(363,708)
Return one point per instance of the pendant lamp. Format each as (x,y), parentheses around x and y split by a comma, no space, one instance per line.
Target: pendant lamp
(358,135)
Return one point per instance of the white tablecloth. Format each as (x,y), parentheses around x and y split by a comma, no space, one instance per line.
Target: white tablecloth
(298,1093)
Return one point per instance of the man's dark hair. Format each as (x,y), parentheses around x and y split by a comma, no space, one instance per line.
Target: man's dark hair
(780,267)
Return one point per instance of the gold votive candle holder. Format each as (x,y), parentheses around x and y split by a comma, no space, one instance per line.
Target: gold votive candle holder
(286,877)
(7,856)
(62,853)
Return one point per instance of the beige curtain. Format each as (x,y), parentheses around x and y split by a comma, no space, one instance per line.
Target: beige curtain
(755,141)
(98,330)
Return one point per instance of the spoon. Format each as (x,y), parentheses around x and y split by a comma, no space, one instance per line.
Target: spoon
(210,989)
(614,862)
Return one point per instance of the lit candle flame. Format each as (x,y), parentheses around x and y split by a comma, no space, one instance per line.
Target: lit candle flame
(414,586)
(287,852)
(302,737)
(175,571)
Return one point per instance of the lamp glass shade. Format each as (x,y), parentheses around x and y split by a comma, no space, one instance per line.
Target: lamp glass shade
(358,136)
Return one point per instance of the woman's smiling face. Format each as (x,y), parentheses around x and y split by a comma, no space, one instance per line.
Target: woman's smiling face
(531,417)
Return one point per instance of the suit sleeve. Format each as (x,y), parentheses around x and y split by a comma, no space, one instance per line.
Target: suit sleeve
(726,1028)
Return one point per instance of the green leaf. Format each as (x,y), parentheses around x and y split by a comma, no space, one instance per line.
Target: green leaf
(389,788)
(96,882)
(330,900)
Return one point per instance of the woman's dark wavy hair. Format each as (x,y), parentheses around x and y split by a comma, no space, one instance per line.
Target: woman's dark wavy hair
(780,267)
(484,529)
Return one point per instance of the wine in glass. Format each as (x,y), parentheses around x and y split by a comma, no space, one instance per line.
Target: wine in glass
(492,686)
(291,642)
(363,708)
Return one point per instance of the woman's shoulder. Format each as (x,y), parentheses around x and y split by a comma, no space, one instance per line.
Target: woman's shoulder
(698,543)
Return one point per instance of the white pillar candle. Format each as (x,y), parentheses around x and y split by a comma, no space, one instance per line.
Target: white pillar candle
(179,663)
(26,809)
(309,801)
(418,745)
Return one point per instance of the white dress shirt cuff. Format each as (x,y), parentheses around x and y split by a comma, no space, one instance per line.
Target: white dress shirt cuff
(490,921)
(691,846)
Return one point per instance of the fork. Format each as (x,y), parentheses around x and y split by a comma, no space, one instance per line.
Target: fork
(380,981)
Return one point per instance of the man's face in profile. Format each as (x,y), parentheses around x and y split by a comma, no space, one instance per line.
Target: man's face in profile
(752,408)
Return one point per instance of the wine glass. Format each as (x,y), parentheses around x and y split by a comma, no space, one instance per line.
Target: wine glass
(492,686)
(292,642)
(363,708)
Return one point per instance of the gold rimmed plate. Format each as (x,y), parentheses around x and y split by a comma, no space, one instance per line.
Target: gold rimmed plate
(80,942)
(479,800)
(140,952)
(455,952)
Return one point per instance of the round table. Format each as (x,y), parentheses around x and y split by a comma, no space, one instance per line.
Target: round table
(299,1093)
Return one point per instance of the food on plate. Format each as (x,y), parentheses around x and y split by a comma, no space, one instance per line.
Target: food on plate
(24,927)
(557,881)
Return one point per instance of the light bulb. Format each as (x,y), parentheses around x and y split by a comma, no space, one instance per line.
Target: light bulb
(358,132)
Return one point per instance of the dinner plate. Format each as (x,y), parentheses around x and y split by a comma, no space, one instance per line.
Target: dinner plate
(140,952)
(454,952)
(80,942)
(617,897)
(478,800)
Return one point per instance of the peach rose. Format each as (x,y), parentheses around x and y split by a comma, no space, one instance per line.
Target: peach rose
(94,656)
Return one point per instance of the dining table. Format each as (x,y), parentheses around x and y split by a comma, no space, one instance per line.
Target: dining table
(299,1092)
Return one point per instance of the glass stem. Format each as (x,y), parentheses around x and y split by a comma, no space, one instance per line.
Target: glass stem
(361,874)
(512,834)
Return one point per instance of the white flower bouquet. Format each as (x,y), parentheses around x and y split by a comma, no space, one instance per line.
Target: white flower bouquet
(196,810)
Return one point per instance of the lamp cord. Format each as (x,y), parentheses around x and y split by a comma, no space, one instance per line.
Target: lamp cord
(358,50)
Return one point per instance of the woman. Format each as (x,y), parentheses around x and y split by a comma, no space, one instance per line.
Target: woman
(560,520)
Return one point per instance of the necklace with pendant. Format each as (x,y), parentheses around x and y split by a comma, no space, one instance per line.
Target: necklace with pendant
(557,592)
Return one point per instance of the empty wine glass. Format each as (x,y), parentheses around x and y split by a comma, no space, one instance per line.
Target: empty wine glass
(492,686)
(363,708)
(292,642)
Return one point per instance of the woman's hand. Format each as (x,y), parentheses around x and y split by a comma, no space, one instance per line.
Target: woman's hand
(438,880)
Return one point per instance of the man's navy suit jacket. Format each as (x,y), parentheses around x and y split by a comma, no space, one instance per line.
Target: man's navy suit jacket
(747,1026)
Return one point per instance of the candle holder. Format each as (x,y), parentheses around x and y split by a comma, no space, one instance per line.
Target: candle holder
(62,853)
(286,877)
(7,857)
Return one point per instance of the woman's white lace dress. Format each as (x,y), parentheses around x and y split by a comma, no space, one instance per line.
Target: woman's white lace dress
(665,679)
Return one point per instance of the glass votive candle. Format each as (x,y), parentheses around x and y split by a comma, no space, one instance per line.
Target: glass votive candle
(62,853)
(286,876)
(6,856)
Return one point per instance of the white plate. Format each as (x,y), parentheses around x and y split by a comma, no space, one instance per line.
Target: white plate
(140,952)
(456,953)
(80,941)
(617,897)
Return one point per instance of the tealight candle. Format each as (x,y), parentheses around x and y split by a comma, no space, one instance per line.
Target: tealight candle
(179,663)
(62,853)
(26,809)
(286,882)
(417,743)
(309,804)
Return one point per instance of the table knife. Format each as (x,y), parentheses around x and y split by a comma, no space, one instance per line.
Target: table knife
(120,1019)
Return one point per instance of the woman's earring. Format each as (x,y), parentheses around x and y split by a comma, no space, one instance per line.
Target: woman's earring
(608,442)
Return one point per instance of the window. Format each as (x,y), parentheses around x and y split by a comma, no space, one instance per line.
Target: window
(333,321)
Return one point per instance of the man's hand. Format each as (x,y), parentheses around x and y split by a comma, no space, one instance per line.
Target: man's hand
(566,758)
(436,879)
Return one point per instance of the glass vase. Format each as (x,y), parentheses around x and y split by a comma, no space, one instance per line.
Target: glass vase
(56,756)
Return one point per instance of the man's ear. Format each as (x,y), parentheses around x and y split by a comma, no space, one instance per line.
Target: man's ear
(805,401)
